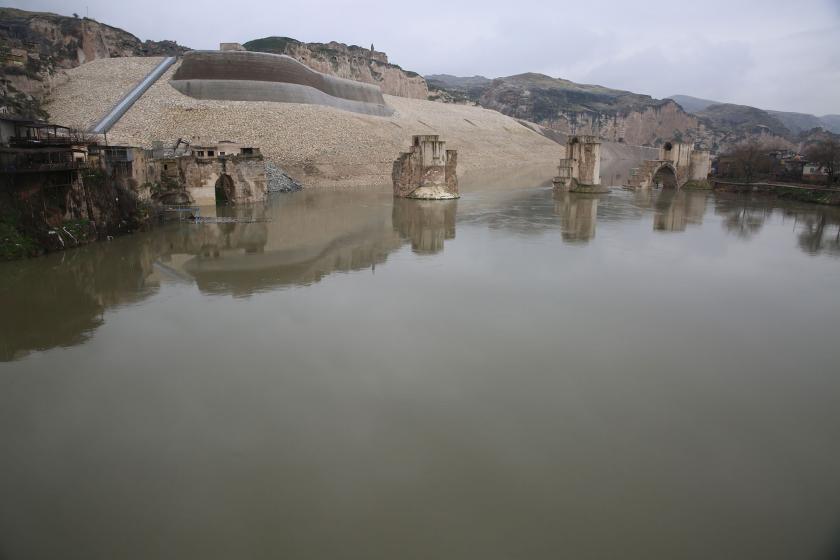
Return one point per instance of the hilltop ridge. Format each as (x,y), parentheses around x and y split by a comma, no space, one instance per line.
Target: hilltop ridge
(347,61)
(51,43)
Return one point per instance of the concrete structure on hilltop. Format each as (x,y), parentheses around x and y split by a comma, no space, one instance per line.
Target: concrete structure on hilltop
(677,164)
(427,170)
(224,47)
(580,171)
(236,75)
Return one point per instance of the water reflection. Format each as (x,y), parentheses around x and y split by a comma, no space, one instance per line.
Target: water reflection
(426,223)
(58,301)
(295,240)
(817,228)
(675,210)
(578,215)
(341,410)
(305,238)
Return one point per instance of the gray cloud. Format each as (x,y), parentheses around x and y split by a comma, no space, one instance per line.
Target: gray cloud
(763,53)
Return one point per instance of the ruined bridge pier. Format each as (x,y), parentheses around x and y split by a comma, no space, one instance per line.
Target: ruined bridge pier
(677,164)
(580,171)
(427,171)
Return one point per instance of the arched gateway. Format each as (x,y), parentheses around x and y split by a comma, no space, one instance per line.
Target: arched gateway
(225,193)
(677,164)
(665,176)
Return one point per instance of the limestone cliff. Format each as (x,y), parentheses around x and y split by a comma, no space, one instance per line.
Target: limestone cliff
(641,127)
(571,108)
(35,46)
(351,62)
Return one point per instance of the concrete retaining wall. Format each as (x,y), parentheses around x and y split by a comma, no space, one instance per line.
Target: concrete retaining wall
(253,76)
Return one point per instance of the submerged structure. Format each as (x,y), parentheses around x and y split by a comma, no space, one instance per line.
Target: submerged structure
(580,171)
(205,173)
(427,170)
(677,164)
(238,75)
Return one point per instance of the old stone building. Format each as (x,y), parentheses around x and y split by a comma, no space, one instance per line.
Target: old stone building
(427,170)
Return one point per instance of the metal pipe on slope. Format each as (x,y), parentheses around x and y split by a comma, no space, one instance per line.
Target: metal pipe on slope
(128,99)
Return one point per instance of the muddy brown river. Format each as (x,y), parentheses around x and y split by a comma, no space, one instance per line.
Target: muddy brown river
(513,375)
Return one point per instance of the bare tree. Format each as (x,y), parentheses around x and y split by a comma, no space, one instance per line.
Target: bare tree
(749,159)
(826,153)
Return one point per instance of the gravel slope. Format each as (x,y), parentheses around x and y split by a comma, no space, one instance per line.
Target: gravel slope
(319,146)
(83,95)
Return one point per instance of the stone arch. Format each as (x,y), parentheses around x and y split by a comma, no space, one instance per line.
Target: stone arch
(225,191)
(666,174)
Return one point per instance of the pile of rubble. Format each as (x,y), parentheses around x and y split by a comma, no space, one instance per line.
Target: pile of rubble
(278,180)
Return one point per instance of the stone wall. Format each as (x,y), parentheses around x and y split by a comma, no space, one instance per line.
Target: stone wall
(701,165)
(243,179)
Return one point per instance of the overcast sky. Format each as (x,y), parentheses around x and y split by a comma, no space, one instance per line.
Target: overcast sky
(782,55)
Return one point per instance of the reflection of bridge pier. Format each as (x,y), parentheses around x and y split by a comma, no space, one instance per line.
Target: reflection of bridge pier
(578,215)
(427,224)
(675,210)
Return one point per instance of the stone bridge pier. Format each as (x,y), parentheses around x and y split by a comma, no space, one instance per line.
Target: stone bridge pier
(580,171)
(677,164)
(427,170)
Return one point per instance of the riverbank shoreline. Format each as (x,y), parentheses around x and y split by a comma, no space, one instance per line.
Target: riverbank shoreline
(797,193)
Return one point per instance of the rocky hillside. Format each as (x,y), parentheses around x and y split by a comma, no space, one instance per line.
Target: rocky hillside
(692,104)
(743,120)
(562,105)
(624,116)
(456,89)
(35,46)
(795,123)
(351,62)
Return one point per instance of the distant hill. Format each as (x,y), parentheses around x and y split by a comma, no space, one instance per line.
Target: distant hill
(569,107)
(461,89)
(793,122)
(799,122)
(831,122)
(743,120)
(692,104)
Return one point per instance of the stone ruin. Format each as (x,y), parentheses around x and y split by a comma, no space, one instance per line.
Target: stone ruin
(677,164)
(427,171)
(580,171)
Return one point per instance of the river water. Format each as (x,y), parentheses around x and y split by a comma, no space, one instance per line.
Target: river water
(511,375)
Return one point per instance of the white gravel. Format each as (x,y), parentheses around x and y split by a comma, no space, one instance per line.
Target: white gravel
(83,95)
(318,146)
